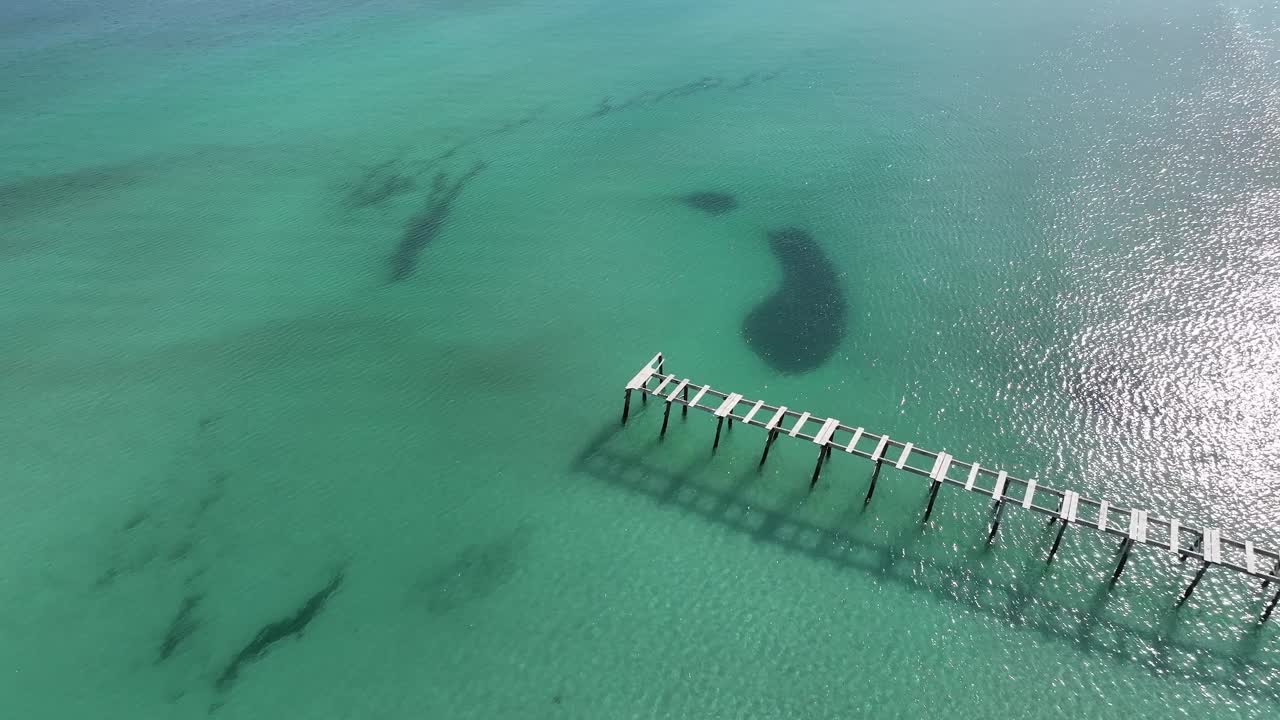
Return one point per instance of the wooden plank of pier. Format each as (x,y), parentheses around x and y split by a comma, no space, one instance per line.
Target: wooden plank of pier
(1001,480)
(658,390)
(880,446)
(804,418)
(906,455)
(679,388)
(828,429)
(853,444)
(973,476)
(727,406)
(1209,542)
(694,403)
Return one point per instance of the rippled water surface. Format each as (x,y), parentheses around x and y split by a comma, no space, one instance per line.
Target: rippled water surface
(316,318)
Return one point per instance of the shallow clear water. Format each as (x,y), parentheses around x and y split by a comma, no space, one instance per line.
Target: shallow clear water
(303,420)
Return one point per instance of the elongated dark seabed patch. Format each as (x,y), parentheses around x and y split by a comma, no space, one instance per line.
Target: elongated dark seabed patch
(181,628)
(608,105)
(798,327)
(424,226)
(710,201)
(42,193)
(277,631)
(379,183)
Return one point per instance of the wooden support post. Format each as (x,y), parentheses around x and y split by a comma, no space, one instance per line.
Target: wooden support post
(1270,606)
(933,495)
(997,493)
(772,428)
(719,425)
(644,397)
(1187,593)
(1057,541)
(626,407)
(878,458)
(666,415)
(1125,547)
(936,476)
(684,409)
(823,437)
(1137,535)
(995,524)
(817,469)
(1194,546)
(767,444)
(1275,571)
(872,490)
(1210,543)
(1067,514)
(823,441)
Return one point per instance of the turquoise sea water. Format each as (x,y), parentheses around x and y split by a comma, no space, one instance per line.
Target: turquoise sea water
(248,472)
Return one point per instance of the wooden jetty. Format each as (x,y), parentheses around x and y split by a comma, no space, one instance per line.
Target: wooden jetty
(1067,508)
